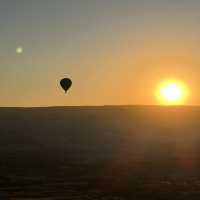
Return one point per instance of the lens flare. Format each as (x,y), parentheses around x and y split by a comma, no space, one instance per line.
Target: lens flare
(19,50)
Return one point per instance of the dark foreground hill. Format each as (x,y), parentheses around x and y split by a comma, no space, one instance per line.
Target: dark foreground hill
(106,153)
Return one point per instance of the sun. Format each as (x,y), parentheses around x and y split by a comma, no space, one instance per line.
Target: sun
(172,92)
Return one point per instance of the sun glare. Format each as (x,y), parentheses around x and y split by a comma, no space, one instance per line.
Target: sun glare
(172,93)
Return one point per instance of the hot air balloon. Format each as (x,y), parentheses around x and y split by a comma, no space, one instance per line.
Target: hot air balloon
(65,84)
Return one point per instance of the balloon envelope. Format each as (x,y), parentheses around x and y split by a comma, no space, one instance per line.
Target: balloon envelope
(65,84)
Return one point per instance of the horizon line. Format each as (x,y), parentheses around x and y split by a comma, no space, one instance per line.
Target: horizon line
(106,105)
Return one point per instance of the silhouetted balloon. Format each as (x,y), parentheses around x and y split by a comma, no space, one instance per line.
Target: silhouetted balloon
(65,84)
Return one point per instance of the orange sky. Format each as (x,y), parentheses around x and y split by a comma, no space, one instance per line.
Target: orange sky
(115,52)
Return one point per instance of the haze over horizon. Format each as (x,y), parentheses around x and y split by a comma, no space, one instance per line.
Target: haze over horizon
(116,52)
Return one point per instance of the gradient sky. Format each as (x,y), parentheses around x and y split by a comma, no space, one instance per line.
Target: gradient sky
(115,51)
